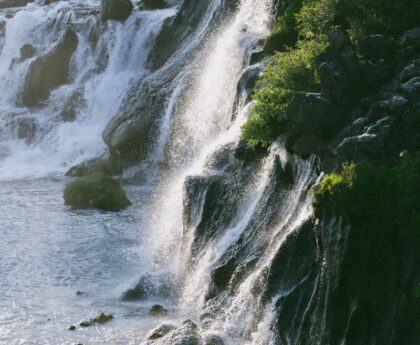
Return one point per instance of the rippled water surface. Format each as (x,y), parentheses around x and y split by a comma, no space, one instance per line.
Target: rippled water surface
(48,252)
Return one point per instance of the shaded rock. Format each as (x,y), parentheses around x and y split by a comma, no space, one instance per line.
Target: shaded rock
(101,164)
(340,71)
(14,3)
(398,104)
(375,74)
(377,47)
(359,147)
(246,153)
(27,51)
(154,4)
(314,115)
(306,145)
(49,71)
(72,328)
(157,310)
(412,116)
(161,331)
(100,319)
(412,38)
(247,82)
(256,56)
(412,88)
(98,191)
(410,71)
(213,340)
(116,9)
(150,286)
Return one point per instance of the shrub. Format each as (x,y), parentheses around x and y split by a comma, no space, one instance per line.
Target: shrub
(285,35)
(285,74)
(381,196)
(96,190)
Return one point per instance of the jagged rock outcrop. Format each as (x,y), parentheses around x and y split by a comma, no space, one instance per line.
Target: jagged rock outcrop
(49,71)
(116,9)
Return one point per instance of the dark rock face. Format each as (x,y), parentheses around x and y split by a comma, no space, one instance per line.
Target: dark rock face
(49,71)
(377,47)
(150,286)
(116,9)
(154,4)
(161,331)
(340,71)
(14,3)
(96,191)
(315,115)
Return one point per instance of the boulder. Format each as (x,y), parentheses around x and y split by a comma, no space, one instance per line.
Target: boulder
(27,51)
(98,191)
(410,71)
(154,4)
(340,71)
(412,88)
(314,115)
(161,331)
(101,164)
(213,339)
(14,3)
(100,319)
(49,71)
(378,47)
(360,147)
(411,38)
(150,286)
(118,10)
(157,310)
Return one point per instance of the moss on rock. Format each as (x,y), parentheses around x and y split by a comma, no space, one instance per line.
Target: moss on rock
(98,191)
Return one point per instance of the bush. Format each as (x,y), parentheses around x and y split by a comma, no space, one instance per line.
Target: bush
(285,74)
(96,190)
(384,197)
(285,35)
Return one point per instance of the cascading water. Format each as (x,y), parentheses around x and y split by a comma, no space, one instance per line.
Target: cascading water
(205,228)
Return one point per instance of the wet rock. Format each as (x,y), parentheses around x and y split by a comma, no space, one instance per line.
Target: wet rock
(256,56)
(314,115)
(359,147)
(72,328)
(27,51)
(49,71)
(340,71)
(247,82)
(161,331)
(27,128)
(102,164)
(412,88)
(116,9)
(398,104)
(154,4)
(70,106)
(14,3)
(98,191)
(150,286)
(157,310)
(410,71)
(378,47)
(246,153)
(100,319)
(184,335)
(213,340)
(411,38)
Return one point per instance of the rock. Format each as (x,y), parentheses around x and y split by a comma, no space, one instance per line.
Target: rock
(378,47)
(247,82)
(412,88)
(14,3)
(256,56)
(410,71)
(102,164)
(154,4)
(340,71)
(161,331)
(398,104)
(49,71)
(359,147)
(72,328)
(213,340)
(70,105)
(26,128)
(412,116)
(150,286)
(118,10)
(246,153)
(184,335)
(27,51)
(157,310)
(314,115)
(306,145)
(375,74)
(411,38)
(100,319)
(98,191)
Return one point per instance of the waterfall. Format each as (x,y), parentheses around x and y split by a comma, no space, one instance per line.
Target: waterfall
(212,226)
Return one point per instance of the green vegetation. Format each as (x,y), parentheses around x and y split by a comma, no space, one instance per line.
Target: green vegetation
(304,26)
(96,190)
(380,196)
